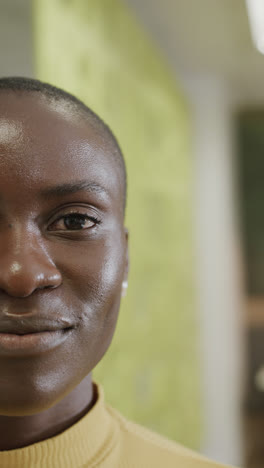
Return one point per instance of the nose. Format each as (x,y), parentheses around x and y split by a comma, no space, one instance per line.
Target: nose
(25,264)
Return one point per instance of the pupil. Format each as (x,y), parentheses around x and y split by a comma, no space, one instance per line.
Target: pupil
(74,222)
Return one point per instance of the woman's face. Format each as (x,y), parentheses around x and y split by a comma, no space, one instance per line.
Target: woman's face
(63,249)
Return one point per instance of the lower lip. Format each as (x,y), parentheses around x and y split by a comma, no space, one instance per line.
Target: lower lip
(32,343)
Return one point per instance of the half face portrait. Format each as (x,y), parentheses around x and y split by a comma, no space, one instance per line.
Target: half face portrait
(63,245)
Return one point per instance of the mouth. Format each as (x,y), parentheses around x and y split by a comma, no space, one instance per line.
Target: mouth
(29,339)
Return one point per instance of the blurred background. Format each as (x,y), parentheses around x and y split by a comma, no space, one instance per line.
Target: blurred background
(181,85)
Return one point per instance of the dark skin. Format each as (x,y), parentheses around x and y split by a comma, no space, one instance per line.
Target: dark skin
(56,265)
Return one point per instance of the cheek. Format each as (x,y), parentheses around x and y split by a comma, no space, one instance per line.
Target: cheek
(92,280)
(94,272)
(100,292)
(92,275)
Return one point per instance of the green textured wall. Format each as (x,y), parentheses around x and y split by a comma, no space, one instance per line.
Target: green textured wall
(96,49)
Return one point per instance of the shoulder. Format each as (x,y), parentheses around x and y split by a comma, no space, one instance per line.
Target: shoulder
(143,447)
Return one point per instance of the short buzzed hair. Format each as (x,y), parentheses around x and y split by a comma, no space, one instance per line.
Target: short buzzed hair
(30,85)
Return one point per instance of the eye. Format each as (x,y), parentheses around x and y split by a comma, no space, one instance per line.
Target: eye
(73,222)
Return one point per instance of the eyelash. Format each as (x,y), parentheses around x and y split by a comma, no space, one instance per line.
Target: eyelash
(81,216)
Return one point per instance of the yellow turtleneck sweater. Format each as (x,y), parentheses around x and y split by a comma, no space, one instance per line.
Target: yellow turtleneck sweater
(103,438)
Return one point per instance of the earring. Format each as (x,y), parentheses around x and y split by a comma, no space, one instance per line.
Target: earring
(124,288)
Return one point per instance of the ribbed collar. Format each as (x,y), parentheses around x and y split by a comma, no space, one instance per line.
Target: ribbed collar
(84,443)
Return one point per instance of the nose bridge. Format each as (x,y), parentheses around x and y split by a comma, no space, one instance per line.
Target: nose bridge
(25,264)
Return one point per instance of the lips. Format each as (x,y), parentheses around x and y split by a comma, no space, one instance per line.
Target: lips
(31,343)
(23,326)
(31,336)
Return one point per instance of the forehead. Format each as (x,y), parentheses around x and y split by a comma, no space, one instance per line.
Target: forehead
(44,142)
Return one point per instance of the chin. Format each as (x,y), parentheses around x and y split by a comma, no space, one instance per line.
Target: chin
(31,396)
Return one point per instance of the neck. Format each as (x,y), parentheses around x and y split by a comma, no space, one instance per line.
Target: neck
(18,432)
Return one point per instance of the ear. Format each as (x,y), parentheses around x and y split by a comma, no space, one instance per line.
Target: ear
(127,261)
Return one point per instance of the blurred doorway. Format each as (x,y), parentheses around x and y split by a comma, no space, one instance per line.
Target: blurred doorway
(251,165)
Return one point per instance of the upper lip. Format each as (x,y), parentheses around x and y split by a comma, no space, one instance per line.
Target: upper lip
(23,326)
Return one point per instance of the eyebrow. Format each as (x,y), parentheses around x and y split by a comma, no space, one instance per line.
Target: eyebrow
(72,187)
